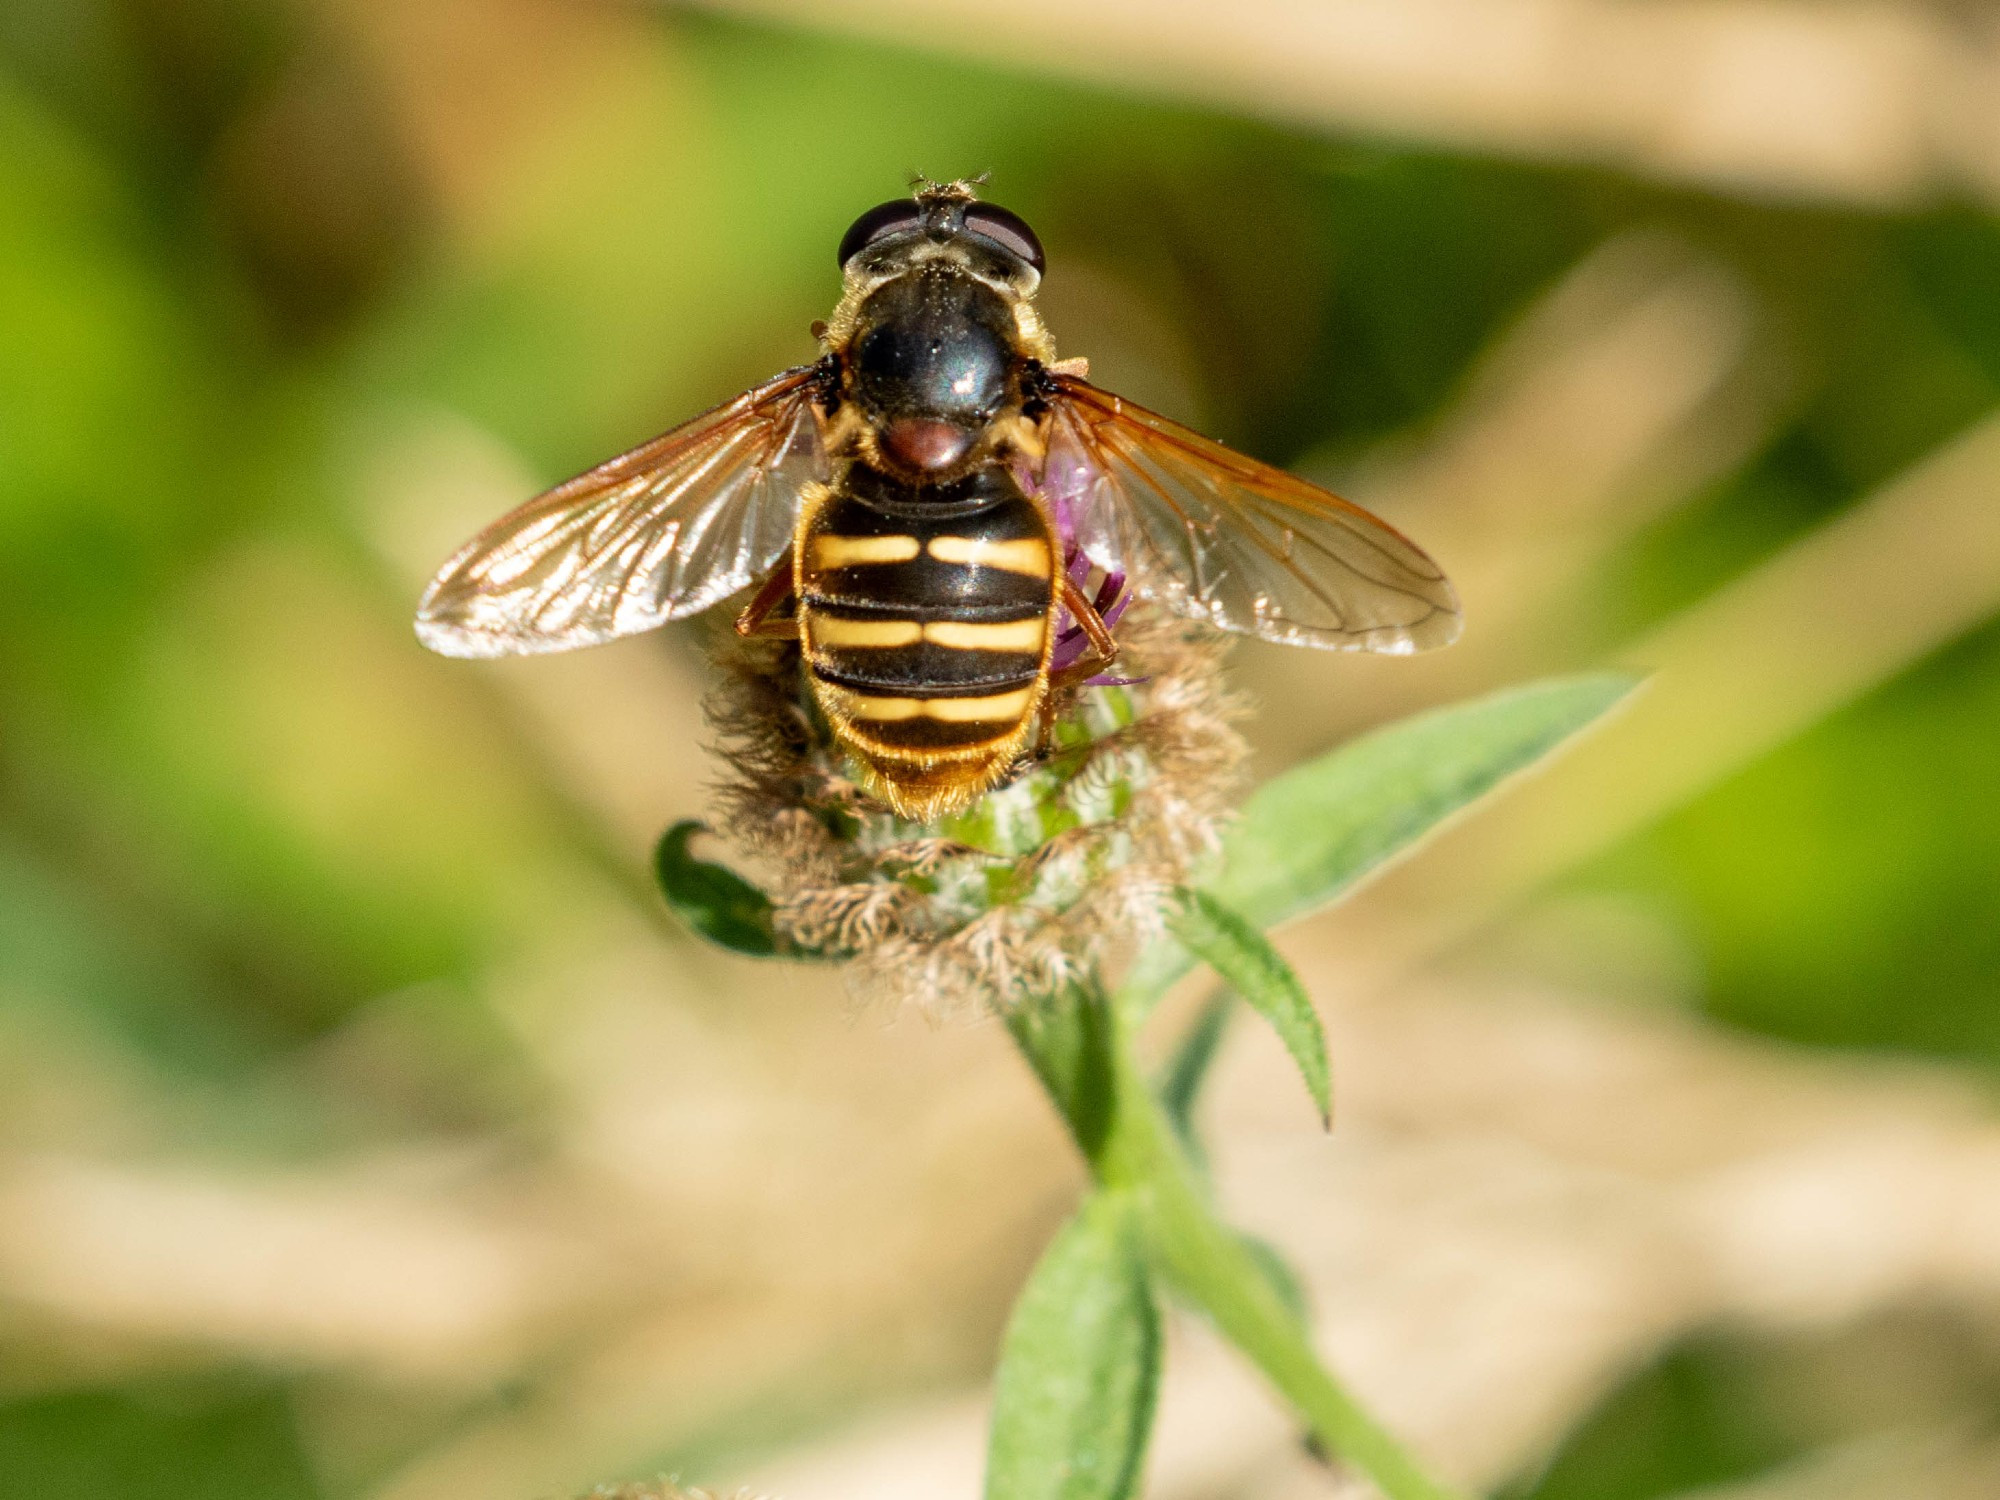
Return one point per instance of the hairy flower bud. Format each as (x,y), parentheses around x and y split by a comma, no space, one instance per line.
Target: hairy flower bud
(1030,887)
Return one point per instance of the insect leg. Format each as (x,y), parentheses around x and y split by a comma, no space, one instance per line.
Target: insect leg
(1103,647)
(757,620)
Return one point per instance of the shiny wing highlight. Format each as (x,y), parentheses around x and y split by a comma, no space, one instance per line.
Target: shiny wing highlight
(653,535)
(1223,538)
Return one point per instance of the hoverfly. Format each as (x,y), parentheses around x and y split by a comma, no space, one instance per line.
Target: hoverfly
(919,508)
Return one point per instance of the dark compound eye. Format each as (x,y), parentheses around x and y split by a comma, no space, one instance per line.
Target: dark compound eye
(882,220)
(1009,231)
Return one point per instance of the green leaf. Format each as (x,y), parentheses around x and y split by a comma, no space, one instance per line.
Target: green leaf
(1186,1071)
(1255,970)
(1080,1367)
(1307,837)
(716,902)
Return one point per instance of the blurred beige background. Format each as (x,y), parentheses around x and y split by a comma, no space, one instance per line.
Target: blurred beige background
(368,1130)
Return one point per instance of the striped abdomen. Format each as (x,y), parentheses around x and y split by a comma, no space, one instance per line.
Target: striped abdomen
(925,624)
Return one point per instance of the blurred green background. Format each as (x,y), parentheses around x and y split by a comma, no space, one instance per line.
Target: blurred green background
(364,1131)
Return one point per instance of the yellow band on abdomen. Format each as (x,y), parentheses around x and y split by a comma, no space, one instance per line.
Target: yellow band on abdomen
(833,632)
(880,708)
(998,706)
(971,635)
(849,551)
(1028,554)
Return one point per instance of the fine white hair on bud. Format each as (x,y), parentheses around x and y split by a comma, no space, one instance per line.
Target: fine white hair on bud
(1033,886)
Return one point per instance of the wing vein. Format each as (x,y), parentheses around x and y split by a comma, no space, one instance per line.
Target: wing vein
(1223,538)
(649,536)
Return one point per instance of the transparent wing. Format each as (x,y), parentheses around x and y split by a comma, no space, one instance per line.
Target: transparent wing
(1223,538)
(653,535)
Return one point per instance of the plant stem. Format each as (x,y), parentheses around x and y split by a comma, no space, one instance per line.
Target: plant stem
(1131,1144)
